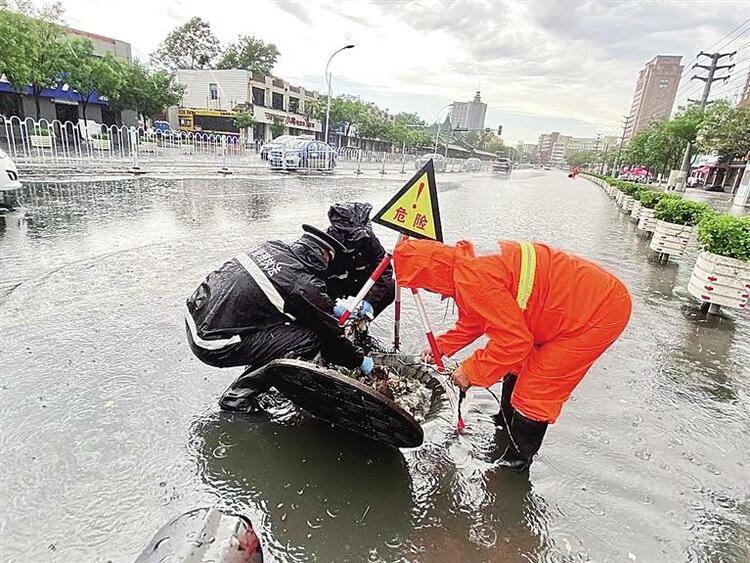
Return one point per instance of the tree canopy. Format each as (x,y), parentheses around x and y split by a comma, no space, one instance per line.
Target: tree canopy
(249,53)
(190,46)
(726,130)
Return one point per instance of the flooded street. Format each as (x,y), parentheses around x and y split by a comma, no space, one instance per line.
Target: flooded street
(110,426)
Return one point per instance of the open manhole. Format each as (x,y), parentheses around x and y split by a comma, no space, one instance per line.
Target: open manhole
(355,405)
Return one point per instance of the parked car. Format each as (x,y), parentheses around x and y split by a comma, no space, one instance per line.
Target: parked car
(502,166)
(471,165)
(266,148)
(8,173)
(303,154)
(438,161)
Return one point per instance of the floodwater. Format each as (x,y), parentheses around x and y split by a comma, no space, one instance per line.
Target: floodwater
(110,426)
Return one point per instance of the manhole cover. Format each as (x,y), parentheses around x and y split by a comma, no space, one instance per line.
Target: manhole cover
(345,403)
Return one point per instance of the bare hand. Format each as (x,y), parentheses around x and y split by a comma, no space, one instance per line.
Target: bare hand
(427,357)
(460,379)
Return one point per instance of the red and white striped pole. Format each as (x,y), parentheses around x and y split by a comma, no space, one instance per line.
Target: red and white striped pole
(397,319)
(365,289)
(397,309)
(428,331)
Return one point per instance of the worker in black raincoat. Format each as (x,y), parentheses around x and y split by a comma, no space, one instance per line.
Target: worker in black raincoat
(267,304)
(351,226)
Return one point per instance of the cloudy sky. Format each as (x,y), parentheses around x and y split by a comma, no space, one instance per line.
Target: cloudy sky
(541,66)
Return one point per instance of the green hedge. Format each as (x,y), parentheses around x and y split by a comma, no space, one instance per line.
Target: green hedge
(725,235)
(650,198)
(681,211)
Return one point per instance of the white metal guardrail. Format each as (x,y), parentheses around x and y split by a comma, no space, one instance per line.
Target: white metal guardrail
(72,146)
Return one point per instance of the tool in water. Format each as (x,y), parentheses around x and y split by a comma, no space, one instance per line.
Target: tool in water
(461,424)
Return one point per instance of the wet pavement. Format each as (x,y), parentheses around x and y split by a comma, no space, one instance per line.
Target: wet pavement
(110,426)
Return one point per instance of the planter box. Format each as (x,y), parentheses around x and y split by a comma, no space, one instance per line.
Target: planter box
(101,144)
(618,197)
(646,220)
(635,212)
(671,238)
(41,141)
(626,203)
(720,280)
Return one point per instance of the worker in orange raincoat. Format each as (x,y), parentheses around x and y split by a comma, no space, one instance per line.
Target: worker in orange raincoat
(548,316)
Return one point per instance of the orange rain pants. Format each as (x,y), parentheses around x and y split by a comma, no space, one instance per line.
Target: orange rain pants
(575,312)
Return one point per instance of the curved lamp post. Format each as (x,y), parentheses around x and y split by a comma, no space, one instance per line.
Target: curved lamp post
(328,79)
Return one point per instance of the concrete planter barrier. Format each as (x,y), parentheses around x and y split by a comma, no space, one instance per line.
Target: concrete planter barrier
(646,220)
(626,203)
(618,197)
(719,280)
(635,212)
(670,238)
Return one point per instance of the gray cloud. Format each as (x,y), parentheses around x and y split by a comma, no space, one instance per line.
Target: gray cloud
(296,9)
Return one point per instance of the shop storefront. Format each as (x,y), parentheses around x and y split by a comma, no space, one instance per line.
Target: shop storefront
(293,124)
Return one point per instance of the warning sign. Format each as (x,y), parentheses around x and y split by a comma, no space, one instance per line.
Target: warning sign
(414,209)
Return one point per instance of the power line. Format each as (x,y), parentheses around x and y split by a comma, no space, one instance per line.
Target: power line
(747,21)
(708,81)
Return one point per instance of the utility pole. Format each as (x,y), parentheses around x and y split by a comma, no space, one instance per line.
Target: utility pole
(708,81)
(596,146)
(625,125)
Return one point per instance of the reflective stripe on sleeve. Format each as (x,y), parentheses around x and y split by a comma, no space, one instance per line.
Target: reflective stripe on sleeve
(263,283)
(526,277)
(207,344)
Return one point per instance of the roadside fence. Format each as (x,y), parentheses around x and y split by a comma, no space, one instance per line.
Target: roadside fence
(56,145)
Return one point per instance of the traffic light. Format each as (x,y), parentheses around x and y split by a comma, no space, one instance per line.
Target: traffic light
(499,130)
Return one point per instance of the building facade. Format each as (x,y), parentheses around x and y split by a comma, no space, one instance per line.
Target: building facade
(103,45)
(469,115)
(271,100)
(655,92)
(557,149)
(62,103)
(745,98)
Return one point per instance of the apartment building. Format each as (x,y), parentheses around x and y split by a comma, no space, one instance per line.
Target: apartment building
(271,100)
(655,92)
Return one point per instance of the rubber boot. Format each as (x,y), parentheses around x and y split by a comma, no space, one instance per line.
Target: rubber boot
(503,418)
(526,438)
(242,395)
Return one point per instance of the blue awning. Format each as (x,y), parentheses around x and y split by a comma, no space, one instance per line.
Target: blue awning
(60,92)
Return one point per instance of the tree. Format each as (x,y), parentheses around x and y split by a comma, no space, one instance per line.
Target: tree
(370,125)
(91,75)
(277,127)
(727,131)
(244,121)
(190,46)
(583,157)
(484,140)
(146,91)
(249,53)
(33,49)
(345,111)
(405,118)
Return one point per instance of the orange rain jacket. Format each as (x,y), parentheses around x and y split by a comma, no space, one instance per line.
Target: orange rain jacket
(576,311)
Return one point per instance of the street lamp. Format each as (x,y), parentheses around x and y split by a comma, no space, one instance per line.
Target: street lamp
(328,79)
(437,131)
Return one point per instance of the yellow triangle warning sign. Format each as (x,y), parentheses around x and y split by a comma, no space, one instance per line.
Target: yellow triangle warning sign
(414,209)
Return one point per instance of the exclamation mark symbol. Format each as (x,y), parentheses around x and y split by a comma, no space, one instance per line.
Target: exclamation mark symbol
(419,193)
